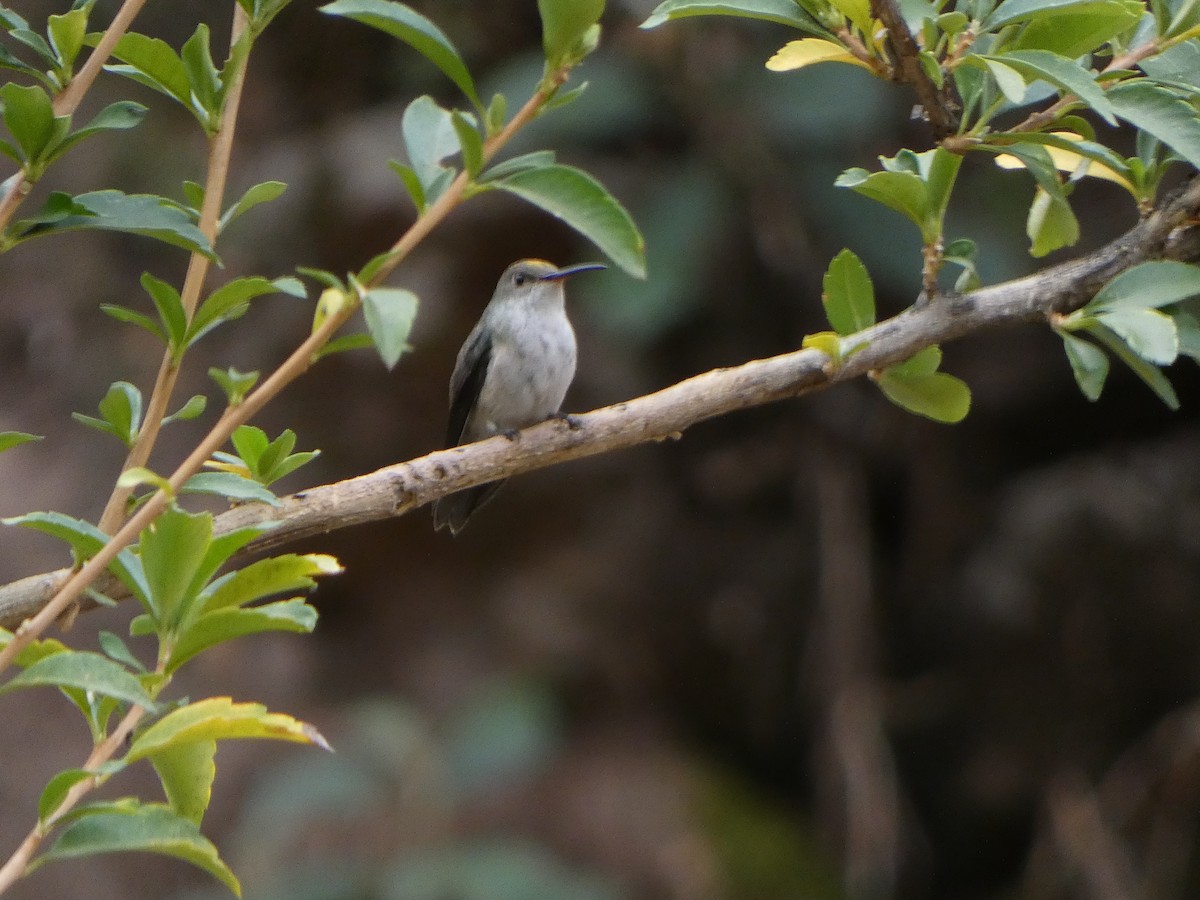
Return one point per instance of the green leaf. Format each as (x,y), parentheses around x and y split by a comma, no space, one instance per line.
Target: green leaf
(117,116)
(1048,10)
(963,252)
(1147,332)
(922,363)
(235,384)
(412,186)
(1062,73)
(250,441)
(848,295)
(493,118)
(8,60)
(121,407)
(415,30)
(66,33)
(346,342)
(536,160)
(1148,372)
(116,650)
(154,63)
(1009,80)
(187,773)
(173,550)
(429,137)
(583,203)
(121,412)
(1079,28)
(193,408)
(212,628)
(564,24)
(1051,224)
(217,719)
(170,310)
(264,192)
(11,20)
(1150,285)
(29,117)
(110,828)
(936,396)
(10,439)
(224,303)
(267,577)
(56,789)
(783,12)
(1088,149)
(203,77)
(290,285)
(389,313)
(34,42)
(231,486)
(85,671)
(939,168)
(470,140)
(1089,364)
(1155,109)
(85,539)
(278,460)
(139,476)
(144,214)
(904,192)
(1188,327)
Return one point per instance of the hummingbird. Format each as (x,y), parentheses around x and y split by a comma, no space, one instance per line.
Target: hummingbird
(512,371)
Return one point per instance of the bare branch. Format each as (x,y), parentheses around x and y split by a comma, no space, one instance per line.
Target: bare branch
(666,414)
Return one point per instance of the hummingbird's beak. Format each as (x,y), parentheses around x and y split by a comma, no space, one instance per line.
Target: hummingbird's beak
(567,271)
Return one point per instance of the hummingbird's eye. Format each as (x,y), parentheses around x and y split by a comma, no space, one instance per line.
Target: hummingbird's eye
(520,278)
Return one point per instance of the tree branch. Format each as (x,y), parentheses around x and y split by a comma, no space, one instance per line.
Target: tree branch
(935,102)
(401,488)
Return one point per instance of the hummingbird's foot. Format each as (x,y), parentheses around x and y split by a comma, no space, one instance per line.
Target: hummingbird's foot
(571,421)
(512,434)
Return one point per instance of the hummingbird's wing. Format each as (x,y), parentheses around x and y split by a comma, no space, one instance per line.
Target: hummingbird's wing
(466,383)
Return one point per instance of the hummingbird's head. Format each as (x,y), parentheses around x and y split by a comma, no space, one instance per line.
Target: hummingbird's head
(535,278)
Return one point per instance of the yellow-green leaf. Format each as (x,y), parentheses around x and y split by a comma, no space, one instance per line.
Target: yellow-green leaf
(220,718)
(810,51)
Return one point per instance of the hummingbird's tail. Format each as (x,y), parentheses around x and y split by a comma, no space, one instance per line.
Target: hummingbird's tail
(453,510)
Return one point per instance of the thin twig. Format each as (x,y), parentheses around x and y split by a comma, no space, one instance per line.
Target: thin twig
(1039,120)
(220,152)
(14,868)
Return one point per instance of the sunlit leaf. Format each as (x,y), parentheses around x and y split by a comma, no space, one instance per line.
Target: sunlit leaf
(187,772)
(218,719)
(810,51)
(10,439)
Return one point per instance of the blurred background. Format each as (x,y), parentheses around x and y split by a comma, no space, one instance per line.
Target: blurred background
(822,649)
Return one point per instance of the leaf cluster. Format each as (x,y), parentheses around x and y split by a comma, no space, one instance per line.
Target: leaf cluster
(1069,67)
(179,571)
(187,607)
